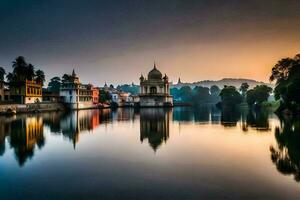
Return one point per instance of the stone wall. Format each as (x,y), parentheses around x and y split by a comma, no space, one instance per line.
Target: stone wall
(36,107)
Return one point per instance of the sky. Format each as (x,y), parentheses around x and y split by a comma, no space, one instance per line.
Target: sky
(115,41)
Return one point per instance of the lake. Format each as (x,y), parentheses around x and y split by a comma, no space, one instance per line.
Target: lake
(179,153)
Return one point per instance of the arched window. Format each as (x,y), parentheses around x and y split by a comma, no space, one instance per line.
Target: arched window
(153,90)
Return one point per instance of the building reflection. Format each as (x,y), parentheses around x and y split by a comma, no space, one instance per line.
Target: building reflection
(77,122)
(286,153)
(154,126)
(25,134)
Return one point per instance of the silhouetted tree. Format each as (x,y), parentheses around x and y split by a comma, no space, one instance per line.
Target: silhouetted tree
(201,95)
(104,96)
(65,77)
(185,93)
(40,76)
(54,84)
(230,97)
(19,69)
(10,77)
(30,74)
(23,71)
(286,154)
(175,93)
(2,74)
(215,92)
(244,88)
(286,73)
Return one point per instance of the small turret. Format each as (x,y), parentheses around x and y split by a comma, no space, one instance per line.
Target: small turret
(166,78)
(73,73)
(142,78)
(179,81)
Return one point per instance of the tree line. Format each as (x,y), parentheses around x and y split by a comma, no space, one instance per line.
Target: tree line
(286,74)
(196,96)
(22,71)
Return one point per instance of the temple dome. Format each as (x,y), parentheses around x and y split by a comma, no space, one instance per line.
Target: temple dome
(154,74)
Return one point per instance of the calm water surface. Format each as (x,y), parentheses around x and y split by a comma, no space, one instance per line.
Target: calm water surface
(182,153)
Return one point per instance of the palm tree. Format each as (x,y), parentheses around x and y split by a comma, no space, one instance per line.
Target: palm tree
(20,68)
(2,73)
(10,77)
(40,76)
(30,72)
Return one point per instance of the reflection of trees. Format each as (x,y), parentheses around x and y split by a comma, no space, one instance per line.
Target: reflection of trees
(201,114)
(258,120)
(154,126)
(230,117)
(4,130)
(286,155)
(26,133)
(183,114)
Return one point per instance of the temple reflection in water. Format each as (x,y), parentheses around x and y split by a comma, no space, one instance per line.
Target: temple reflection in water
(24,134)
(154,126)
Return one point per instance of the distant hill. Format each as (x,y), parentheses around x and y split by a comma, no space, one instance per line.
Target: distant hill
(220,83)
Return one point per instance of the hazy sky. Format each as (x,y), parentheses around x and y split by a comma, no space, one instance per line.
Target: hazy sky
(116,41)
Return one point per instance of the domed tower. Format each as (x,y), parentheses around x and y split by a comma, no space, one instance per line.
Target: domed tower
(154,74)
(155,90)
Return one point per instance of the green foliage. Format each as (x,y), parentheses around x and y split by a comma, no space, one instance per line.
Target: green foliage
(175,93)
(185,93)
(132,89)
(201,95)
(286,73)
(230,97)
(104,96)
(196,96)
(258,95)
(244,88)
(54,84)
(215,90)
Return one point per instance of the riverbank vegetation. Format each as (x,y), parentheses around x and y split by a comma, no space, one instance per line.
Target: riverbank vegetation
(286,74)
(197,96)
(23,71)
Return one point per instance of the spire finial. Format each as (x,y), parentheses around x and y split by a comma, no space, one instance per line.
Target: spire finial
(154,65)
(73,73)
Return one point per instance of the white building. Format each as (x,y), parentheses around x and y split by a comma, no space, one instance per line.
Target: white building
(155,90)
(75,94)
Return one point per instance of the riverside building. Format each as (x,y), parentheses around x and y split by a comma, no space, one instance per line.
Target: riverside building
(155,90)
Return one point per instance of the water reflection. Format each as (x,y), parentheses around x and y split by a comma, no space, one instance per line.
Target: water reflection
(286,154)
(258,120)
(154,126)
(26,133)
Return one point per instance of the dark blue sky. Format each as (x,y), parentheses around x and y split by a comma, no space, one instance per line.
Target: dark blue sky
(115,41)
